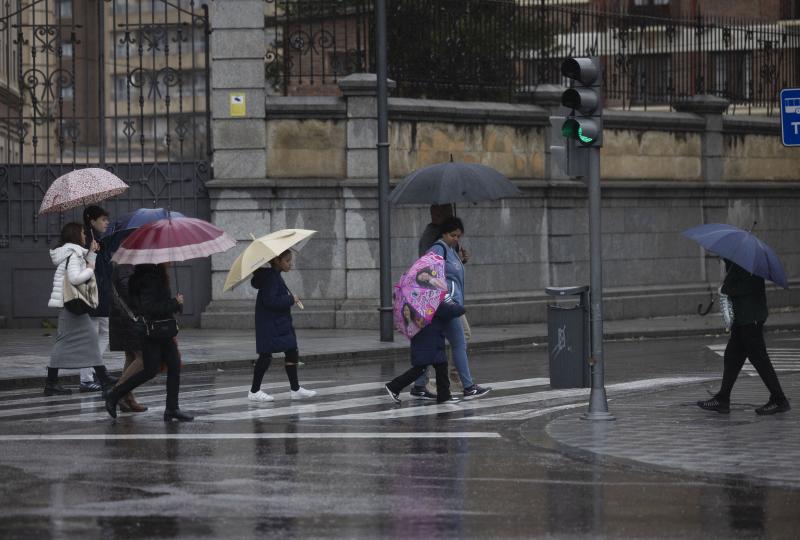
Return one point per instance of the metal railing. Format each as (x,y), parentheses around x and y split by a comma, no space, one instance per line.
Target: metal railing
(499,50)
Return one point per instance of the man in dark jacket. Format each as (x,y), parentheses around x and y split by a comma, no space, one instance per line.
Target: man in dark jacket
(748,295)
(427,349)
(95,223)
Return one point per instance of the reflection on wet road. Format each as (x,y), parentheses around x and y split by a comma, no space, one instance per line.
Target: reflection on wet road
(349,463)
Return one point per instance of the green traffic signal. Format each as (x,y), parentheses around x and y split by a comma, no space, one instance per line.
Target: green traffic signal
(584,130)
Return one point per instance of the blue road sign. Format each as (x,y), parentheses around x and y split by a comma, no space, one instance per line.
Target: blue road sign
(790,116)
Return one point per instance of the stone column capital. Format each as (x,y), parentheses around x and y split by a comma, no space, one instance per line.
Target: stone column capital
(362,84)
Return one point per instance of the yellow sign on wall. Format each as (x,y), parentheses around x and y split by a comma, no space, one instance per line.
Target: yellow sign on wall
(238,104)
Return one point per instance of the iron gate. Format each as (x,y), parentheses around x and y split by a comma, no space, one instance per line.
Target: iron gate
(118,84)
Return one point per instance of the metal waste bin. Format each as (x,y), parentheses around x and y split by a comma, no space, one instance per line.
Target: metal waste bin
(568,337)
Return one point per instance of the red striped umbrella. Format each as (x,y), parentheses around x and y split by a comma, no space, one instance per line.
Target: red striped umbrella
(173,240)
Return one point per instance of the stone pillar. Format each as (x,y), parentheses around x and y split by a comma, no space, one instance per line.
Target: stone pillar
(237,68)
(238,189)
(710,108)
(360,91)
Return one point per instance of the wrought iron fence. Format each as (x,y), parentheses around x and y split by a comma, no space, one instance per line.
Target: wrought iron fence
(501,49)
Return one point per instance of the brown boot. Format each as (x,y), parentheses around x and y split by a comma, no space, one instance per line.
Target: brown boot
(129,404)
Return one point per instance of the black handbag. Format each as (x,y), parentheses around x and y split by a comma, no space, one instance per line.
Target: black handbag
(163,329)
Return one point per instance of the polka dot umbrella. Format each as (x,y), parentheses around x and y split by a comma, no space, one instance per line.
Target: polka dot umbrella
(79,188)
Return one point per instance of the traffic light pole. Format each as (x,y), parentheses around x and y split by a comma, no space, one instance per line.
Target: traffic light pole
(598,404)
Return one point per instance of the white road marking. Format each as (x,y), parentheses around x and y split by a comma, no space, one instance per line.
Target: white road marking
(488,402)
(239,436)
(311,406)
(154,396)
(525,414)
(782,358)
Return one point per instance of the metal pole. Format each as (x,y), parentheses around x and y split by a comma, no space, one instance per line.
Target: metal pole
(384,225)
(598,404)
(101,82)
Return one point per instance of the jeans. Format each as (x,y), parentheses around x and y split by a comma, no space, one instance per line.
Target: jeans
(454,332)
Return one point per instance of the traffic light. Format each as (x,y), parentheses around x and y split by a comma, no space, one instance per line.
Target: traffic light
(571,158)
(584,98)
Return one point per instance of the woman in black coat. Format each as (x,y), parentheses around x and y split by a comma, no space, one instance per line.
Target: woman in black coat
(274,329)
(122,334)
(748,295)
(151,298)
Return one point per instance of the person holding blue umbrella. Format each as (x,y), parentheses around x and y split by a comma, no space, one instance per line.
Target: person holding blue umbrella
(748,261)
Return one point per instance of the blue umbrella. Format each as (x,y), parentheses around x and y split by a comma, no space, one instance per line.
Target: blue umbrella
(127,223)
(741,247)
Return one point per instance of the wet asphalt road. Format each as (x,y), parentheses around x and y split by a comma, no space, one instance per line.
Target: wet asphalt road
(350,464)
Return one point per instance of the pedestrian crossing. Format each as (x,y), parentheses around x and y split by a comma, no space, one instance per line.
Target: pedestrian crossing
(512,400)
(782,358)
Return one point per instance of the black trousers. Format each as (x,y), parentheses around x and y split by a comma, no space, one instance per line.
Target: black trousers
(154,352)
(397,384)
(747,343)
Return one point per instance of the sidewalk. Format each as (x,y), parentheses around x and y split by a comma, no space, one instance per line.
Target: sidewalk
(666,431)
(24,354)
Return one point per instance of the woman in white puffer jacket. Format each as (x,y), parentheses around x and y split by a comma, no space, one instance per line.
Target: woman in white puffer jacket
(76,341)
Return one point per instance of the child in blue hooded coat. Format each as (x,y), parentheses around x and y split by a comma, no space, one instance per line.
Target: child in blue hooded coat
(428,349)
(274,329)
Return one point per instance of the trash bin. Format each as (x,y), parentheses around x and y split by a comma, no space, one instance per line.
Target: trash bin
(568,337)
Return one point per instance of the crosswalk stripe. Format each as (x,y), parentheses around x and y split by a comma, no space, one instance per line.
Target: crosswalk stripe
(782,358)
(276,409)
(525,414)
(239,436)
(518,399)
(529,403)
(97,403)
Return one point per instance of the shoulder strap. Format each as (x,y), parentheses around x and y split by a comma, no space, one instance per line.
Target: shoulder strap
(122,303)
(440,244)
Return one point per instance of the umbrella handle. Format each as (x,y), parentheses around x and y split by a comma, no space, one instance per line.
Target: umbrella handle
(703,312)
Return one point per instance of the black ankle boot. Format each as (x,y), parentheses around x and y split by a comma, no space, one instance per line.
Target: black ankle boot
(177,414)
(111,403)
(52,388)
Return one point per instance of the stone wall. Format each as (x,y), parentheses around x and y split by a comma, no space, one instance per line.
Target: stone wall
(662,173)
(311,162)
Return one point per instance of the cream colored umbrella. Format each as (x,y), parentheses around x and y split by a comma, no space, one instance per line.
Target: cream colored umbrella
(261,251)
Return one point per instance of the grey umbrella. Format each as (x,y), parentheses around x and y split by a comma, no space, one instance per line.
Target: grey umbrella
(446,183)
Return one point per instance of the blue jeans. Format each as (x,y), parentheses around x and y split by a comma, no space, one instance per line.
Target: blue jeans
(454,333)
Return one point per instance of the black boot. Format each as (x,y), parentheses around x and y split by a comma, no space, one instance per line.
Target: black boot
(51,386)
(106,382)
(111,403)
(177,414)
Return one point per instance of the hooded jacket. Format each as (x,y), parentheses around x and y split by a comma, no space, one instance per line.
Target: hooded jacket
(274,330)
(77,272)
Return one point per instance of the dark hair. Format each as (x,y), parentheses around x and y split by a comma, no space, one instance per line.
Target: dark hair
(274,260)
(70,234)
(452,224)
(427,270)
(93,212)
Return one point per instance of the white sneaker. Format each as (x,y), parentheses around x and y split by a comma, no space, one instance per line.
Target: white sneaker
(302,393)
(259,396)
